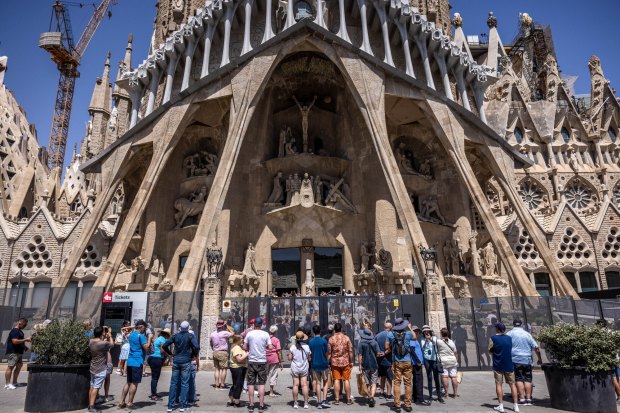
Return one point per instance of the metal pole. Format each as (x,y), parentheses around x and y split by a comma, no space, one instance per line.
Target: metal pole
(498,310)
(572,300)
(475,330)
(524,312)
(600,308)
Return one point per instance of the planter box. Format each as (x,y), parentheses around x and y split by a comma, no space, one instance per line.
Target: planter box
(577,391)
(57,388)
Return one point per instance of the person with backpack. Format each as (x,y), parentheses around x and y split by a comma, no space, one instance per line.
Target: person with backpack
(185,348)
(398,343)
(367,353)
(431,362)
(299,356)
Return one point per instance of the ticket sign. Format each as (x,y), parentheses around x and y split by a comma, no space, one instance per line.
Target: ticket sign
(138,300)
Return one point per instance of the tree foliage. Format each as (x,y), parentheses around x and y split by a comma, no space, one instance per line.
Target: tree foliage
(592,348)
(61,343)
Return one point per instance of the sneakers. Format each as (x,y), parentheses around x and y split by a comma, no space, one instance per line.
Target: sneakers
(182,409)
(169,409)
(306,406)
(92,409)
(326,404)
(499,408)
(515,407)
(9,387)
(295,405)
(371,403)
(528,402)
(319,406)
(408,409)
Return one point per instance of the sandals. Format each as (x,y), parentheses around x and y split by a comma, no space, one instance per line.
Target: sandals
(349,402)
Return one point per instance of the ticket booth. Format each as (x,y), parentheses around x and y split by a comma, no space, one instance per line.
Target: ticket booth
(116,307)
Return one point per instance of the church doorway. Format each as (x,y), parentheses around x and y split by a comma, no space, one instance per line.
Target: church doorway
(286,270)
(328,270)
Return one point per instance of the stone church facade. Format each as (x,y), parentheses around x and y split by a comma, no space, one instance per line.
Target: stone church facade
(319,146)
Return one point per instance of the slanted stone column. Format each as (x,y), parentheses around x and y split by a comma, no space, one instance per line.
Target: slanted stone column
(211,300)
(307,268)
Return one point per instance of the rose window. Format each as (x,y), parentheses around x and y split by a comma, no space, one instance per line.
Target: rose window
(531,194)
(578,195)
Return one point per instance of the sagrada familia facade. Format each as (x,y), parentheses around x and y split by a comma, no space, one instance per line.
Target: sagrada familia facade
(320,145)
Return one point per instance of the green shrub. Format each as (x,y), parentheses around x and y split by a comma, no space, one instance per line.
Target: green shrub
(590,347)
(61,343)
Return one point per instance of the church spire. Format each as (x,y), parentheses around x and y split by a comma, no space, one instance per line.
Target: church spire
(100,101)
(124,66)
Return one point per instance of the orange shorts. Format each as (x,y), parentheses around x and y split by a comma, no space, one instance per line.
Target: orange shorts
(341,373)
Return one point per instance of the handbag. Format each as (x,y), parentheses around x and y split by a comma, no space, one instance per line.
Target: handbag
(362,388)
(459,377)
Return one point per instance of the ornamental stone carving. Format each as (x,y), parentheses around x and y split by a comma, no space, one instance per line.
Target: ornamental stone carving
(189,206)
(531,194)
(202,163)
(553,78)
(488,261)
(429,211)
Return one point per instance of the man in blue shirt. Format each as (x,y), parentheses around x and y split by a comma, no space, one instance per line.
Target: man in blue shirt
(522,346)
(417,361)
(385,363)
(500,347)
(186,347)
(319,366)
(398,343)
(138,344)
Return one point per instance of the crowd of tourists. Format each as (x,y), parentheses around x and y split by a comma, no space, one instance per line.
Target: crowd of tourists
(390,364)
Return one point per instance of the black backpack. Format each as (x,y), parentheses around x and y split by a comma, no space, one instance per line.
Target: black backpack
(401,349)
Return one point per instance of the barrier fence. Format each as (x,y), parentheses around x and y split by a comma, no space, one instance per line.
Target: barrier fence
(470,320)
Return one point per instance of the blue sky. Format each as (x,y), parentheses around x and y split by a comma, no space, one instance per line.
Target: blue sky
(580,30)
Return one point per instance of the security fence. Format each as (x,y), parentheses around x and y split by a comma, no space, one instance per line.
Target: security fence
(471,320)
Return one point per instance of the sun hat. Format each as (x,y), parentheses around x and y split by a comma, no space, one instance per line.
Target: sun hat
(400,324)
(166,331)
(301,336)
(220,323)
(426,328)
(273,329)
(365,334)
(415,328)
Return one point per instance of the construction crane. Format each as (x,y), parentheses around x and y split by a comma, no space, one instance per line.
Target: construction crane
(59,43)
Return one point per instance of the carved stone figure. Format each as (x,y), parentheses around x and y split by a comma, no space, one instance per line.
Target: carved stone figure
(305,112)
(597,79)
(384,261)
(318,190)
(489,261)
(337,200)
(290,148)
(372,254)
(289,189)
(113,119)
(138,272)
(474,257)
(277,196)
(425,168)
(202,163)
(190,206)
(306,192)
(156,272)
(364,256)
(249,267)
(572,160)
(553,78)
(295,188)
(309,283)
(430,208)
(456,256)
(446,250)
(285,132)
(403,160)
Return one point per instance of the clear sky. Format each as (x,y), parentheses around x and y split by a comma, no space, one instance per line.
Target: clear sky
(580,29)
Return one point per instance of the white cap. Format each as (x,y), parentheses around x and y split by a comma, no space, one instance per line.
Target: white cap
(184,326)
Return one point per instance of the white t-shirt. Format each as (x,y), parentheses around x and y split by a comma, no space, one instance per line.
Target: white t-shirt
(299,364)
(257,341)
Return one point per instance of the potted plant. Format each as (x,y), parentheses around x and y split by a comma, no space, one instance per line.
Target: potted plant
(59,379)
(583,360)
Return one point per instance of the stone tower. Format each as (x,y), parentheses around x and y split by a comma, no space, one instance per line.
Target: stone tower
(120,112)
(437,11)
(99,111)
(170,15)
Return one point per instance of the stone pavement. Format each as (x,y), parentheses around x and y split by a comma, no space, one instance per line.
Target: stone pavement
(477,394)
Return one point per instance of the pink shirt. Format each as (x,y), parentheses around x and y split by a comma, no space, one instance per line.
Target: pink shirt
(272,353)
(219,340)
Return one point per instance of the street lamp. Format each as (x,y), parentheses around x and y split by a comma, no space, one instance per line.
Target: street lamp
(429,255)
(214,260)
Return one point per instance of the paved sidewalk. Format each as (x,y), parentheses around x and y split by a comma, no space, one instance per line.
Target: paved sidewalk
(477,394)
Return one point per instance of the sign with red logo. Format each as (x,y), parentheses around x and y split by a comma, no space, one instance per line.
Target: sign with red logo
(107,297)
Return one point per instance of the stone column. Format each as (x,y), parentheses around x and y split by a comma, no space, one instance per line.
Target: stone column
(434,303)
(307,265)
(211,300)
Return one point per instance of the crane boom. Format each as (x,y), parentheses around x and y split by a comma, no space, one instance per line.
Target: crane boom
(59,43)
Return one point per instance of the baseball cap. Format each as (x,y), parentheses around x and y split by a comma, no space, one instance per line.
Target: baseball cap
(517,323)
(184,326)
(500,327)
(258,321)
(252,320)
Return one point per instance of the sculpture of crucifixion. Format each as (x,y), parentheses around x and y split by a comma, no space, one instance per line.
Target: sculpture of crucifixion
(305,111)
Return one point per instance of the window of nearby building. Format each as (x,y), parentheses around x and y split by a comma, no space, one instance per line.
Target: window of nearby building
(565,135)
(570,276)
(40,295)
(588,281)
(613,279)
(68,299)
(18,291)
(86,287)
(612,135)
(542,283)
(518,134)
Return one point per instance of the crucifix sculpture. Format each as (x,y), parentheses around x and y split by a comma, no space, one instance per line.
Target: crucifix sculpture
(305,111)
